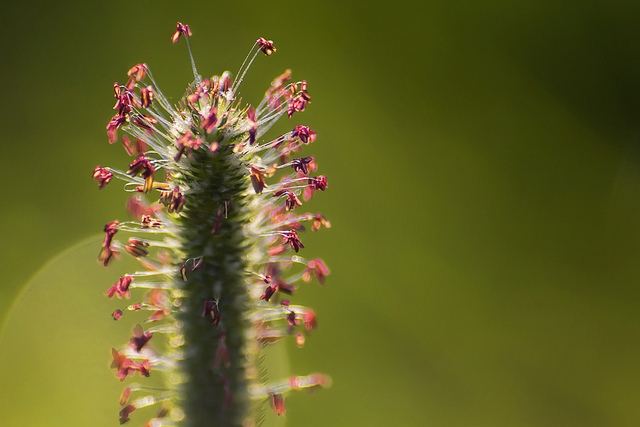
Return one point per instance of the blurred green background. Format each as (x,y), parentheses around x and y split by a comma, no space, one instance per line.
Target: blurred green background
(483,160)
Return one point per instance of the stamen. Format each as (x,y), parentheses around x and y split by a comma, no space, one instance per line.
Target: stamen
(151,285)
(196,76)
(243,70)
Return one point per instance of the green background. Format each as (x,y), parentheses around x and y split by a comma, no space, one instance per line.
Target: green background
(483,161)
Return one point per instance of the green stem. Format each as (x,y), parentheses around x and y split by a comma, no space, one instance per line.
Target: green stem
(218,184)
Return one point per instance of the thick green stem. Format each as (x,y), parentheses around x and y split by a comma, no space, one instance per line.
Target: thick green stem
(217,190)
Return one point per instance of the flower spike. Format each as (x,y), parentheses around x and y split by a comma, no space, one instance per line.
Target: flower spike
(215,227)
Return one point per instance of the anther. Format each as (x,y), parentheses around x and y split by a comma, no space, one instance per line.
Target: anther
(266,46)
(180,30)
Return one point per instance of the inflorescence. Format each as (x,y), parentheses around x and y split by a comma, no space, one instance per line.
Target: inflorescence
(218,245)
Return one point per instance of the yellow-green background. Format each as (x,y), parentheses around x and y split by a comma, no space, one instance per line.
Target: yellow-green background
(483,160)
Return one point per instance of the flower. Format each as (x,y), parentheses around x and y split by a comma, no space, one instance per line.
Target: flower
(219,214)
